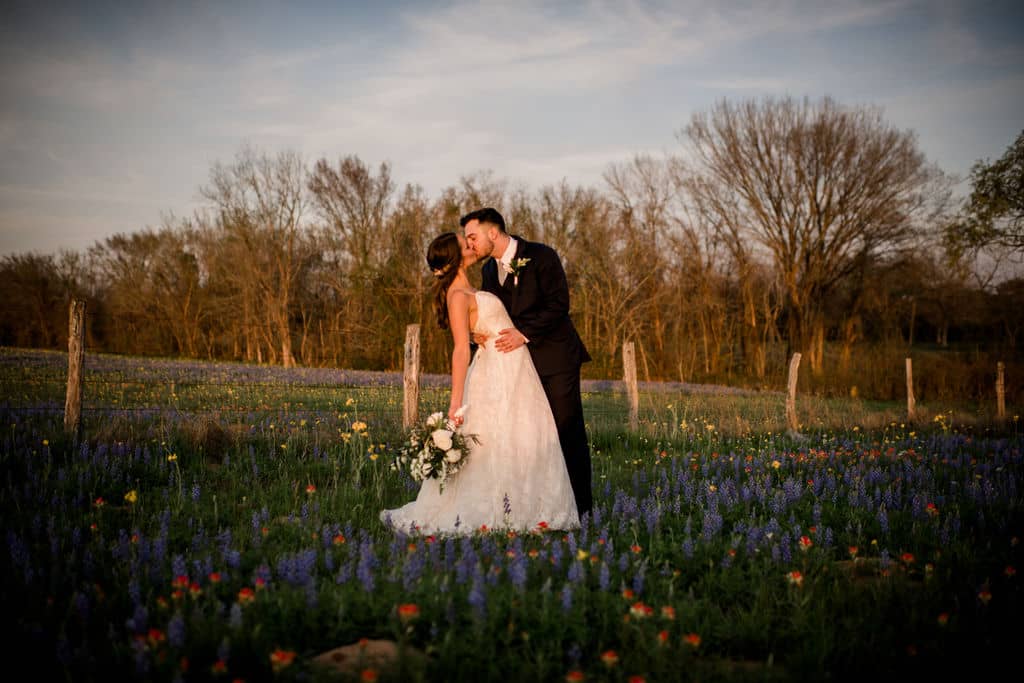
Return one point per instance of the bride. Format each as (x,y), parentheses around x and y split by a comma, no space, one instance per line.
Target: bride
(515,476)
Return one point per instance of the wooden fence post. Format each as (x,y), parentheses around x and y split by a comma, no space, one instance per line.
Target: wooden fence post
(411,377)
(910,390)
(76,356)
(629,377)
(1000,390)
(794,368)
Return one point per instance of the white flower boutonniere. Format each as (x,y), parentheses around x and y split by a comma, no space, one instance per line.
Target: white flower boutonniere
(514,267)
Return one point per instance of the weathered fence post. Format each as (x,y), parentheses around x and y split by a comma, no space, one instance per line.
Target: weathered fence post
(910,390)
(76,355)
(629,377)
(794,368)
(411,377)
(1000,390)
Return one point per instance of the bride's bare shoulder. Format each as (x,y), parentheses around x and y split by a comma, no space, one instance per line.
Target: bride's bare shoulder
(461,295)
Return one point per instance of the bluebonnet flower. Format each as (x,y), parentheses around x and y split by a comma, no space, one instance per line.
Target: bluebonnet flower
(178,566)
(556,555)
(235,617)
(224,650)
(638,580)
(138,622)
(575,571)
(344,573)
(478,595)
(413,569)
(566,598)
(467,563)
(517,570)
(367,563)
(195,491)
(604,577)
(713,523)
(81,602)
(176,631)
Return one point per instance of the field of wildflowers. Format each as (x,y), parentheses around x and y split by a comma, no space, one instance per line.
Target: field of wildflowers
(219,522)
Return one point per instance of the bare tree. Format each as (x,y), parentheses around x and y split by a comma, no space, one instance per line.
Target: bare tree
(353,203)
(817,186)
(260,202)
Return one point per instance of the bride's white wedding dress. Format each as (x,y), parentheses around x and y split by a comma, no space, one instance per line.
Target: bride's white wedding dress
(516,476)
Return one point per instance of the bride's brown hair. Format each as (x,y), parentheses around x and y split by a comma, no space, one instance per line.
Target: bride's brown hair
(444,256)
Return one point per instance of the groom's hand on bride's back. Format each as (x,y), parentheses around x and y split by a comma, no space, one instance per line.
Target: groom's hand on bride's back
(510,339)
(479,338)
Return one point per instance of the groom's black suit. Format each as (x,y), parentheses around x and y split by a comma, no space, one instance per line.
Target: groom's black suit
(539,307)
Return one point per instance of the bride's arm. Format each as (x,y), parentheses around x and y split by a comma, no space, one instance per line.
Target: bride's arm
(458,320)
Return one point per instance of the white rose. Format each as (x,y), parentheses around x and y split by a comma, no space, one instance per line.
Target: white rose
(442,439)
(454,455)
(435,419)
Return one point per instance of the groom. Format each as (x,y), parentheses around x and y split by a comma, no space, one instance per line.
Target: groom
(529,279)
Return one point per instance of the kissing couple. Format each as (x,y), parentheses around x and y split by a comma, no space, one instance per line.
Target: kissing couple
(521,388)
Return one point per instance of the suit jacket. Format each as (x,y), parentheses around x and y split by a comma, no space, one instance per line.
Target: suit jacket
(539,307)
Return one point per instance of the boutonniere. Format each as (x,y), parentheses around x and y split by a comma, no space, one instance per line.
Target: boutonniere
(514,267)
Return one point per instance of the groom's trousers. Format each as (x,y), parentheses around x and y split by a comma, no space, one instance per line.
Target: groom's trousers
(564,395)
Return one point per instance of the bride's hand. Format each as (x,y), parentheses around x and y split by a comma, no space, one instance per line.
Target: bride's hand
(455,416)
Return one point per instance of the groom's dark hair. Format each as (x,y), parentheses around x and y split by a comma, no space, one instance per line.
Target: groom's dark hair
(485,215)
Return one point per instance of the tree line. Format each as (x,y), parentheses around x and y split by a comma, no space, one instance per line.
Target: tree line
(777,225)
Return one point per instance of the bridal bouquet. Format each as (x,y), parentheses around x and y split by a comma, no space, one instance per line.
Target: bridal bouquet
(435,449)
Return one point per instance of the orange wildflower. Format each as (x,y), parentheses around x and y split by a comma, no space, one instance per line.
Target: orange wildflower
(668,612)
(219,667)
(692,639)
(640,610)
(368,675)
(280,659)
(408,611)
(214,577)
(795,578)
(907,558)
(627,593)
(943,618)
(852,550)
(574,676)
(339,539)
(610,658)
(662,637)
(246,595)
(636,549)
(310,490)
(985,596)
(805,543)
(1010,571)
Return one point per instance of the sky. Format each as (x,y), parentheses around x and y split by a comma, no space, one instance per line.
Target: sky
(112,113)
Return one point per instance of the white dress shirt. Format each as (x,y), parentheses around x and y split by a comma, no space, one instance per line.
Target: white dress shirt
(505,261)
